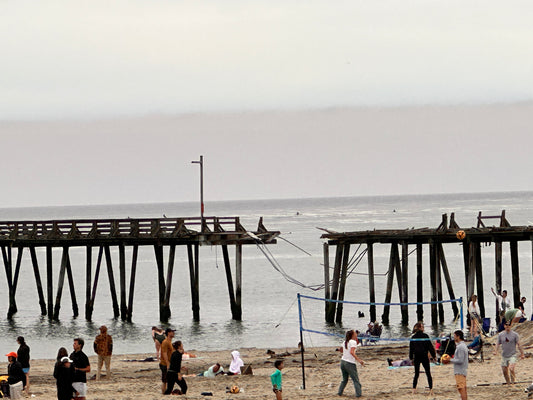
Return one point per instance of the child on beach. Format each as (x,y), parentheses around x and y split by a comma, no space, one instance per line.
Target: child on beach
(275,378)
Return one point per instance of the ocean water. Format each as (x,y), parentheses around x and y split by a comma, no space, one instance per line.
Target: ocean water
(270,310)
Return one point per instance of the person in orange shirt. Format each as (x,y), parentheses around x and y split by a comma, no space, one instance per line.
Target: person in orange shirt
(166,353)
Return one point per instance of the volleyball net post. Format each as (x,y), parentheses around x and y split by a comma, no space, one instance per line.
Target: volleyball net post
(302,347)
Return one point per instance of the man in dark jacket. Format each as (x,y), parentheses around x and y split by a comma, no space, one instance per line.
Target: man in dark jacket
(419,348)
(16,377)
(23,357)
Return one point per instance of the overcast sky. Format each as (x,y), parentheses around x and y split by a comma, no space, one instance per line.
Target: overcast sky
(108,102)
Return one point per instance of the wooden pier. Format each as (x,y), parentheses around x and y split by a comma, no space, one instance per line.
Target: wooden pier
(122,233)
(402,242)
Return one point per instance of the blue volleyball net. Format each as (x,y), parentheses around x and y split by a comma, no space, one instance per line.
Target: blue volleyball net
(349,314)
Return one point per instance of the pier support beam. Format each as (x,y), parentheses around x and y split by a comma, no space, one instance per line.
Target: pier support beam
(49,282)
(112,287)
(38,282)
(515,271)
(419,284)
(238,281)
(327,284)
(342,286)
(433,280)
(236,313)
(129,313)
(479,281)
(193,276)
(332,306)
(60,282)
(393,265)
(8,266)
(498,276)
(88,279)
(405,283)
(371,283)
(448,279)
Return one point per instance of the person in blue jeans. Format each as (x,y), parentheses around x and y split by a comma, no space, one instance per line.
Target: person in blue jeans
(348,366)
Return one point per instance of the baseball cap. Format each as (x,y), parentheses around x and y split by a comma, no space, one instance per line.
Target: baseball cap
(12,354)
(66,359)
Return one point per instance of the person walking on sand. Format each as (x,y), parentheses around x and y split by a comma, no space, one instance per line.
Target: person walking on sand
(23,358)
(103,346)
(509,340)
(81,367)
(419,348)
(174,370)
(348,367)
(460,363)
(275,378)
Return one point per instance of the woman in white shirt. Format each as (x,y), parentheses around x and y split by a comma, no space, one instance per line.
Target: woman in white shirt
(475,315)
(348,367)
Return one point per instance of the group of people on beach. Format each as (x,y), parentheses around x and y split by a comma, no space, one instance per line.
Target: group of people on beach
(18,370)
(422,352)
(70,371)
(170,355)
(505,312)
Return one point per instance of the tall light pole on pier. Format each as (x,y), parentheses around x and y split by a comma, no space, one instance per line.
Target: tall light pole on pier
(201,162)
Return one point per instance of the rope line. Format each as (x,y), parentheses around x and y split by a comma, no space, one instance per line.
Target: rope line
(380,304)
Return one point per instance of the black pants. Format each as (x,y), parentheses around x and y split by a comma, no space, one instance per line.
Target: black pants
(172,378)
(425,363)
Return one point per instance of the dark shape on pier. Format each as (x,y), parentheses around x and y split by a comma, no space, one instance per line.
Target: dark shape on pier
(102,234)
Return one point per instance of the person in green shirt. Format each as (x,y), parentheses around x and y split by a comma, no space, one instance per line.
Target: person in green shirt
(275,378)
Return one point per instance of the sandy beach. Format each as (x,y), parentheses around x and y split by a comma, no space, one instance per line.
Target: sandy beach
(141,379)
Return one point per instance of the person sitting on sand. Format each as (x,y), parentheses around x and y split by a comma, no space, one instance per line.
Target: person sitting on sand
(399,363)
(476,343)
(236,363)
(212,371)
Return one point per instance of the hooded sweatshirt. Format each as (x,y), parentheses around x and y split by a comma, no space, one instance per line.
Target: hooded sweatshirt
(236,362)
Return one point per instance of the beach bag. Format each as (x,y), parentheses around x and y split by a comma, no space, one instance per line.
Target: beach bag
(4,389)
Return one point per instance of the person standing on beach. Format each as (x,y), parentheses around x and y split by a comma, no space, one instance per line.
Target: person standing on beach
(348,367)
(460,363)
(275,378)
(166,353)
(103,346)
(419,348)
(504,302)
(64,376)
(81,367)
(174,370)
(158,335)
(475,315)
(23,358)
(509,340)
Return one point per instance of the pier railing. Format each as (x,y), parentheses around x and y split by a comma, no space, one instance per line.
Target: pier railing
(195,229)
